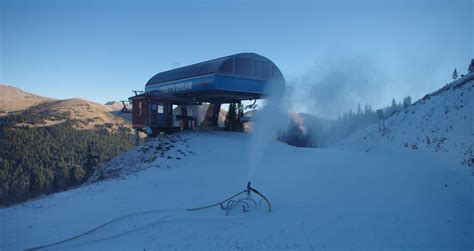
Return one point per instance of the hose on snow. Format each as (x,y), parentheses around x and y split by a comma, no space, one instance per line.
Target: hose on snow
(226,204)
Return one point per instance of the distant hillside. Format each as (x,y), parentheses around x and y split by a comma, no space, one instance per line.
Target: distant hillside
(13,99)
(115,108)
(87,113)
(55,145)
(442,121)
(114,105)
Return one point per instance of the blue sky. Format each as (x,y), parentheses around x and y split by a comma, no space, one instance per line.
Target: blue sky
(363,51)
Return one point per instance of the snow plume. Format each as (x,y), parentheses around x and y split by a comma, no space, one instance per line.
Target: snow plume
(267,122)
(332,87)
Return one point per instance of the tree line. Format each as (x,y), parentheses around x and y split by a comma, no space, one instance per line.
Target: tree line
(36,160)
(313,134)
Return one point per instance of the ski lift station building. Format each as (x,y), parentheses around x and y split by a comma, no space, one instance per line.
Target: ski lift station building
(230,79)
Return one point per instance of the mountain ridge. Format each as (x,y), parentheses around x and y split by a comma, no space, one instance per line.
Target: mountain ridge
(15,99)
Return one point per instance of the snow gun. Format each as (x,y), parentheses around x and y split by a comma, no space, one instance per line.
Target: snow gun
(243,199)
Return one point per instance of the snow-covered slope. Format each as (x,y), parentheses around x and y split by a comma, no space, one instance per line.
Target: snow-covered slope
(322,199)
(441,122)
(161,153)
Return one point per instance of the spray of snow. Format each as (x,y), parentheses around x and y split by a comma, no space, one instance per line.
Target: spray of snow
(268,121)
(333,85)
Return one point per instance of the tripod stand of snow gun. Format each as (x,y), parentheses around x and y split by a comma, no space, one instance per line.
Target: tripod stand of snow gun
(230,202)
(251,189)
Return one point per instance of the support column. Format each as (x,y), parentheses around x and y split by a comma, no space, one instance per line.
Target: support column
(184,114)
(212,115)
(137,138)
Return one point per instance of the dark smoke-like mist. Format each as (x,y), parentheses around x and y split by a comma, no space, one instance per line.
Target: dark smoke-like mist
(329,88)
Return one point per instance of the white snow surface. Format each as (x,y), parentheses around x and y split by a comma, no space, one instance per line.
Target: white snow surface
(441,122)
(323,199)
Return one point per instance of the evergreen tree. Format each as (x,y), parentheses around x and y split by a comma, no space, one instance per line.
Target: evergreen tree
(240,114)
(295,136)
(406,102)
(394,104)
(231,118)
(455,74)
(393,107)
(232,121)
(367,109)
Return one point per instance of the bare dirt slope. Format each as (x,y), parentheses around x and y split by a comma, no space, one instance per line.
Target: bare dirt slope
(89,114)
(13,99)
